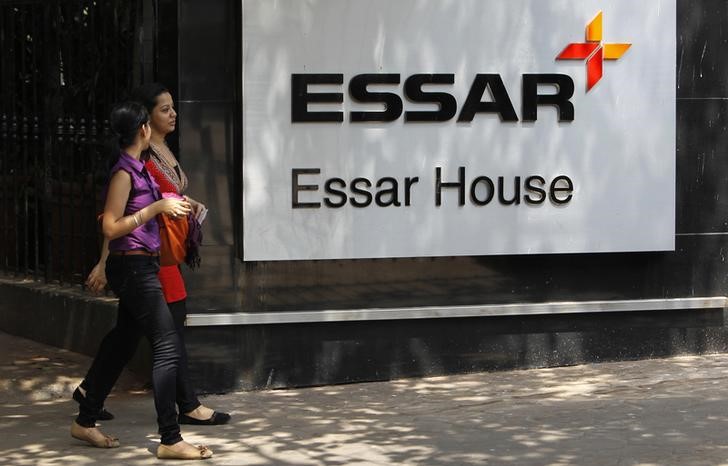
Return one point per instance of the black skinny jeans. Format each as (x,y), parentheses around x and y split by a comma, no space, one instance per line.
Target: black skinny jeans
(142,309)
(186,397)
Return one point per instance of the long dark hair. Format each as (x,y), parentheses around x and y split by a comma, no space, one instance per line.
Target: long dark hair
(125,120)
(147,94)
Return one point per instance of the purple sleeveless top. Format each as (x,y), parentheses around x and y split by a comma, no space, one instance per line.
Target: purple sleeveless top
(144,191)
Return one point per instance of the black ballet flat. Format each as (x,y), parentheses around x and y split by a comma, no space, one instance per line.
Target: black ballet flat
(215,420)
(102,415)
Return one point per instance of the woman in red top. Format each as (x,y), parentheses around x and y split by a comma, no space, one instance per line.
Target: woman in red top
(170,177)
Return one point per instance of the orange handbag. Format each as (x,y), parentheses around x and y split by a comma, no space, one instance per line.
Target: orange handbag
(173,236)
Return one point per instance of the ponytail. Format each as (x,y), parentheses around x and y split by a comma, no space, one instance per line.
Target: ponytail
(125,120)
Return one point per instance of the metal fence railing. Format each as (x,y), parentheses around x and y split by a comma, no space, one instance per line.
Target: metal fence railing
(64,63)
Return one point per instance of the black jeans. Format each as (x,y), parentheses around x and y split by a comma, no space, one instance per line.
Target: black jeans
(142,310)
(186,398)
(114,362)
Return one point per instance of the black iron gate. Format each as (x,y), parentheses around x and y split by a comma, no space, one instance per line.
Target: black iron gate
(62,65)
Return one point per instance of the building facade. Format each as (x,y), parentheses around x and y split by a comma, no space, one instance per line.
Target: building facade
(267,323)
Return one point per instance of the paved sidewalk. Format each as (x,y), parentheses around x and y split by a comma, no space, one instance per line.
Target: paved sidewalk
(657,412)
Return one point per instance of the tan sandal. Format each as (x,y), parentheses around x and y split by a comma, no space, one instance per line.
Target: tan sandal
(166,453)
(82,433)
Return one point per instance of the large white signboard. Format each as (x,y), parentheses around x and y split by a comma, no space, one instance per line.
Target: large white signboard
(408,128)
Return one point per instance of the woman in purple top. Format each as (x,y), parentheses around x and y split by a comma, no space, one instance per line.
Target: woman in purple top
(132,203)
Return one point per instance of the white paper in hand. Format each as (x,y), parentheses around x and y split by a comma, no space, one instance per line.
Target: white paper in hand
(201,215)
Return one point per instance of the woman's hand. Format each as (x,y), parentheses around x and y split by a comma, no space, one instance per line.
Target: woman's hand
(197,207)
(175,208)
(96,281)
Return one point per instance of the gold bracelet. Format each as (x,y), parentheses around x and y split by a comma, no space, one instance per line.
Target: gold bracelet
(135,219)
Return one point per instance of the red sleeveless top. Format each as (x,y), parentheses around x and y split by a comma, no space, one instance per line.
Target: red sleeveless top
(173,285)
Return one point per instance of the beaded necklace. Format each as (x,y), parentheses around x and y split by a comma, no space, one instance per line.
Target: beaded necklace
(161,155)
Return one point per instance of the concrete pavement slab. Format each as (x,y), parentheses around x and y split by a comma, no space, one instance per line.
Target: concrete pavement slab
(652,412)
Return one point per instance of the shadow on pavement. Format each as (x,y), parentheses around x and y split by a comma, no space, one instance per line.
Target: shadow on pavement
(654,412)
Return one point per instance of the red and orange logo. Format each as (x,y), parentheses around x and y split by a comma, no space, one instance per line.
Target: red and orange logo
(593,51)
